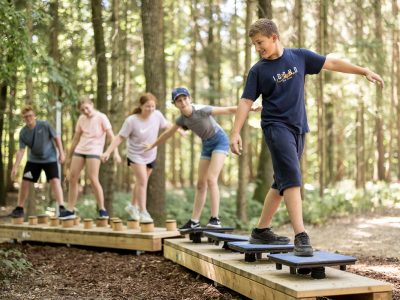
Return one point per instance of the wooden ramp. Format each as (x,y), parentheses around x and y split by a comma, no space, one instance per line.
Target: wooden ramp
(130,239)
(261,280)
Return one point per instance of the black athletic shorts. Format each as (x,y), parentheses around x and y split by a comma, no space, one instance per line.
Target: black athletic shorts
(286,148)
(32,171)
(149,166)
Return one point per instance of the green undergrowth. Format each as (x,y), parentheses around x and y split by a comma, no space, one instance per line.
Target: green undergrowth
(13,264)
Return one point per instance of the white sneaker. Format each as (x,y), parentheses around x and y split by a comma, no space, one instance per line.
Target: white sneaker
(145,217)
(133,211)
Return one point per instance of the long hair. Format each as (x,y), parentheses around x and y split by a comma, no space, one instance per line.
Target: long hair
(142,100)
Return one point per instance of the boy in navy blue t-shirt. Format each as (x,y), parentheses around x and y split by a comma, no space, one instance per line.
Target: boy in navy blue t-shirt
(279,77)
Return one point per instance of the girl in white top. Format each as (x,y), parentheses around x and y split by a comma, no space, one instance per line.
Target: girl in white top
(140,128)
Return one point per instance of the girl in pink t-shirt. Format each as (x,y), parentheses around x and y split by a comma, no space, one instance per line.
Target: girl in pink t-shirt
(140,128)
(87,146)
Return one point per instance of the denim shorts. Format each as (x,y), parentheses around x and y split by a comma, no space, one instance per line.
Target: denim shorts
(219,143)
(286,148)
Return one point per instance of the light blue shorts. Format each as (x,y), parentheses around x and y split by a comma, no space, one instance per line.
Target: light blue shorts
(219,143)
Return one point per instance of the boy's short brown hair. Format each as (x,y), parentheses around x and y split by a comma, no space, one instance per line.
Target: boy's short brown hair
(263,26)
(27,108)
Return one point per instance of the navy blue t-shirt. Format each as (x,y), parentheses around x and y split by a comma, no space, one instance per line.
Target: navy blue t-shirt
(281,84)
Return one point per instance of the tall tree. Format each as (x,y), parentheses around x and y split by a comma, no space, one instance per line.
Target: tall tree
(379,67)
(241,203)
(154,69)
(320,101)
(264,170)
(360,124)
(396,60)
(101,93)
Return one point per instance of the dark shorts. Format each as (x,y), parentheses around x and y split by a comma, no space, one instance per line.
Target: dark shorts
(219,143)
(149,166)
(286,148)
(86,156)
(32,171)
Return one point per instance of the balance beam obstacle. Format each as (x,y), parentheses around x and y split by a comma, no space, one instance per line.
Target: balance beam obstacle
(261,280)
(105,237)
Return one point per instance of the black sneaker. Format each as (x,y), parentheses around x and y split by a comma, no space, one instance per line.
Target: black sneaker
(103,213)
(267,236)
(18,212)
(302,246)
(214,222)
(61,210)
(67,215)
(190,224)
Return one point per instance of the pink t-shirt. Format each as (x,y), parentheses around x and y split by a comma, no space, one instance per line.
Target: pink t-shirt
(93,133)
(139,132)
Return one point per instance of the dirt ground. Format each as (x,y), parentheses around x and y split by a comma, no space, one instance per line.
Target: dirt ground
(87,273)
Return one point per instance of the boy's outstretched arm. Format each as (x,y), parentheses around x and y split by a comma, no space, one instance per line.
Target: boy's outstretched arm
(221,110)
(241,115)
(339,65)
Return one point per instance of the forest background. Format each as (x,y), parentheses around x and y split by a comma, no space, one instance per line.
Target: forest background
(53,52)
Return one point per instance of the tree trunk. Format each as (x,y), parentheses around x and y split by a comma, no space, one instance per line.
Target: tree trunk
(154,70)
(193,86)
(101,97)
(241,199)
(396,58)
(265,170)
(379,67)
(11,133)
(360,126)
(320,102)
(3,102)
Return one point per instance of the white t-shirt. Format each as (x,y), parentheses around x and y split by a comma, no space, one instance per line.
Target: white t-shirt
(139,132)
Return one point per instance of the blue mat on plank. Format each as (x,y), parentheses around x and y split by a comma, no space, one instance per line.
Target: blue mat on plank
(225,236)
(319,258)
(247,247)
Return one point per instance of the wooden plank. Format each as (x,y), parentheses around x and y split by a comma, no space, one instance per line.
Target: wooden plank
(99,236)
(264,273)
(238,283)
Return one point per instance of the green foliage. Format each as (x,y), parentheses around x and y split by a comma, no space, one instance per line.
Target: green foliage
(13,39)
(13,263)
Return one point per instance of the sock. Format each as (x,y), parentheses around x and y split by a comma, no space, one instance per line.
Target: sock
(194,220)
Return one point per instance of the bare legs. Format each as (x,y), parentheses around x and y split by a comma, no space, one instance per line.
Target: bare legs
(139,194)
(93,167)
(292,197)
(208,174)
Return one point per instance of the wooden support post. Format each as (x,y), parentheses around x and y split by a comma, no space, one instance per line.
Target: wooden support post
(133,224)
(54,221)
(101,222)
(170,225)
(87,223)
(33,220)
(67,223)
(147,227)
(118,225)
(17,221)
(43,219)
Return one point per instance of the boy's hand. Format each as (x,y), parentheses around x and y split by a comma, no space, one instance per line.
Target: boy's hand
(256,107)
(61,157)
(375,78)
(236,144)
